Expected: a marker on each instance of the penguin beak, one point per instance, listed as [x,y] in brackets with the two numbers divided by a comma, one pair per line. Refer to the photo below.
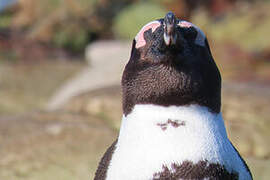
[170,35]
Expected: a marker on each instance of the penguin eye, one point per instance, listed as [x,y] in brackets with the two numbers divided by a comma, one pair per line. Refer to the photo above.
[140,41]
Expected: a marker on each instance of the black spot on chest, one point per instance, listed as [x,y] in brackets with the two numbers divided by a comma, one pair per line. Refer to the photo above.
[200,170]
[172,122]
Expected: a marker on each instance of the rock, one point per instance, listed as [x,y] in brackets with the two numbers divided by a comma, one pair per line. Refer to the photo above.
[106,61]
[103,103]
[54,129]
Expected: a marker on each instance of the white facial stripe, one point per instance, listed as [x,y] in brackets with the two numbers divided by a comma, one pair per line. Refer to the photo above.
[200,39]
[140,41]
[144,28]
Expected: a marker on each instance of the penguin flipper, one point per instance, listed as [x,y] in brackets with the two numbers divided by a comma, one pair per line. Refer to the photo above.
[101,172]
[243,161]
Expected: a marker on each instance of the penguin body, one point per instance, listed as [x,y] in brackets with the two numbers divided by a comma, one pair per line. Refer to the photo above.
[172,127]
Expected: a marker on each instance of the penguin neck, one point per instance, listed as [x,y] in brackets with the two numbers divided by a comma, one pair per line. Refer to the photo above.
[145,118]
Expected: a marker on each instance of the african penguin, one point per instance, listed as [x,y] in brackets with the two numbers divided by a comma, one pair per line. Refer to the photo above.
[172,127]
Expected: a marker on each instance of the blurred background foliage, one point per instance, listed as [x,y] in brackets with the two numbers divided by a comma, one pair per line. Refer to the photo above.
[42,45]
[53,28]
[70,25]
[129,21]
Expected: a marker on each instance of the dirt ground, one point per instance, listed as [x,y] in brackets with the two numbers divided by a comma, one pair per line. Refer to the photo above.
[67,144]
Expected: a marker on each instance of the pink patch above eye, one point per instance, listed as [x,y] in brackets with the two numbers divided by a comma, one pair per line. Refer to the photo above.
[140,41]
[185,24]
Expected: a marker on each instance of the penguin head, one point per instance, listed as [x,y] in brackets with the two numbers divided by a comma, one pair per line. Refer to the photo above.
[171,65]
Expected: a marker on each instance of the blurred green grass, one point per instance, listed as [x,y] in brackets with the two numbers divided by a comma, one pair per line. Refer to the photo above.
[245,26]
[129,21]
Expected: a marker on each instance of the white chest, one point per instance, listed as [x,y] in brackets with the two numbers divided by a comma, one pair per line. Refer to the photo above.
[153,136]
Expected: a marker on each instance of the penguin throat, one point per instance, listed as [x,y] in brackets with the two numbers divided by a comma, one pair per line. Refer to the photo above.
[152,137]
